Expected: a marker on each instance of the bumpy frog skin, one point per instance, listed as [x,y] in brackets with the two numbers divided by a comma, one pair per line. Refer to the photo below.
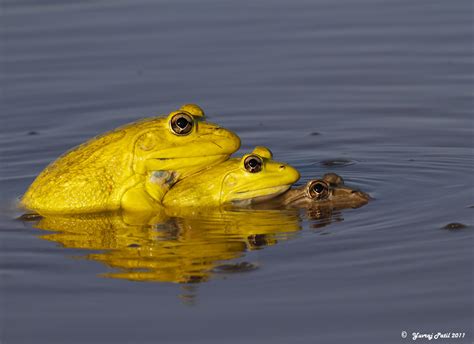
[131,167]
[239,181]
[329,191]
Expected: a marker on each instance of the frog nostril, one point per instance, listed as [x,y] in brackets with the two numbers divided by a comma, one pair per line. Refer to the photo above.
[282,167]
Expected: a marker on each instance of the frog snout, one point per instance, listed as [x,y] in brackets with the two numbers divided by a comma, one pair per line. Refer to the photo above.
[361,195]
[289,171]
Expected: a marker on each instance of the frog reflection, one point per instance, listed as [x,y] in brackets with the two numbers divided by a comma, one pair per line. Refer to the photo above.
[176,247]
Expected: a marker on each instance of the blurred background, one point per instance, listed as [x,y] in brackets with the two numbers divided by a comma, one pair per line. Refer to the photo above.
[379,92]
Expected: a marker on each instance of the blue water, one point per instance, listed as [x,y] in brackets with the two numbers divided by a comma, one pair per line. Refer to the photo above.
[383,87]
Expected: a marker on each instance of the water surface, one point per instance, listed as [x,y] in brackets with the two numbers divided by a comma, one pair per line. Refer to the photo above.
[379,92]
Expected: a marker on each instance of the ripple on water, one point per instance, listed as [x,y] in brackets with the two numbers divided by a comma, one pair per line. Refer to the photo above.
[337,162]
[455,226]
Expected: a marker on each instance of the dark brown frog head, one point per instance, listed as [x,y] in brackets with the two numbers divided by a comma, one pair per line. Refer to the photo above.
[329,191]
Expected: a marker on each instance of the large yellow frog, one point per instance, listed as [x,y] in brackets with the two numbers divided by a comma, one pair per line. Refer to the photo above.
[253,177]
[131,167]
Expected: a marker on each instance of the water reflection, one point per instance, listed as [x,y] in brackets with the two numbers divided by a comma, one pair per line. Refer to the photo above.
[181,246]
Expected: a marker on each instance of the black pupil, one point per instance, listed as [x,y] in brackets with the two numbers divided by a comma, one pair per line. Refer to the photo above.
[318,188]
[253,163]
[182,122]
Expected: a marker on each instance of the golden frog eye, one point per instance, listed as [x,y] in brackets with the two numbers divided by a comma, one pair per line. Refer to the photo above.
[181,123]
[318,189]
[253,163]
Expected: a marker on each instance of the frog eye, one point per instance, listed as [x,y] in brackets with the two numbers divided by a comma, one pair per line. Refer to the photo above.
[318,189]
[181,123]
[253,163]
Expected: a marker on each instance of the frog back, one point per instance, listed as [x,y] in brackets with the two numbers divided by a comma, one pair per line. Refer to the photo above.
[89,178]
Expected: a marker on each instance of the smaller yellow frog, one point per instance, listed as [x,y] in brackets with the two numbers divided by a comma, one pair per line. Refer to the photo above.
[254,177]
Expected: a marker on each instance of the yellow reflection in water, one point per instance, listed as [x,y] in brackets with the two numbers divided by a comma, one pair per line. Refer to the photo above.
[183,246]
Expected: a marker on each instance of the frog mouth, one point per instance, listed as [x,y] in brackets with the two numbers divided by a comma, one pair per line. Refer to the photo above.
[258,195]
[225,145]
[298,197]
[182,158]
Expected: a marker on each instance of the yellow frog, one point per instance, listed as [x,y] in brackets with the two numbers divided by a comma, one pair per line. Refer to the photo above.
[131,167]
[239,181]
